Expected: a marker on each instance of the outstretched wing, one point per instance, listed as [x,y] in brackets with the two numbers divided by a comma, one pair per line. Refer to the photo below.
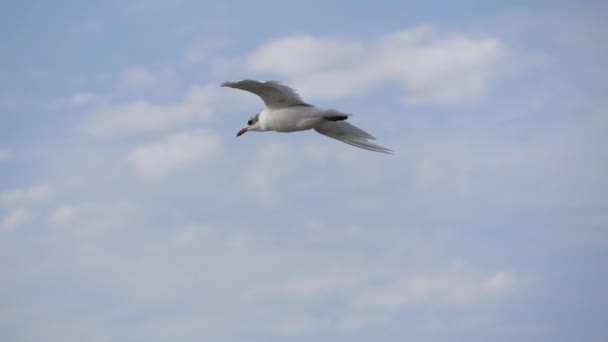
[350,134]
[274,94]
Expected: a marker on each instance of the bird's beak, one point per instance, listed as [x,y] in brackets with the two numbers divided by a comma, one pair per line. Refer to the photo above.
[242,131]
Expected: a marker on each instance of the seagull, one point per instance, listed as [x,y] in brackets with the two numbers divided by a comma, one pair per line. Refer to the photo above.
[286,112]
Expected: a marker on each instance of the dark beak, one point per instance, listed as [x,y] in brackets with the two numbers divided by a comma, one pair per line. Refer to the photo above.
[241,132]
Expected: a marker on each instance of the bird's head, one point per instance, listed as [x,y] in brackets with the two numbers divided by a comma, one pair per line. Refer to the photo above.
[252,125]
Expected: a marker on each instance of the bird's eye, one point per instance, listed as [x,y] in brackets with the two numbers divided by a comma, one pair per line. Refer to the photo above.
[250,122]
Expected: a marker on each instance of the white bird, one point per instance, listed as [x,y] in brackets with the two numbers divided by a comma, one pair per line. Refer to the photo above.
[286,112]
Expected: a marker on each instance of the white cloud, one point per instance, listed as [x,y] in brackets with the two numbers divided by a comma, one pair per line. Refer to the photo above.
[449,164]
[146,78]
[500,282]
[432,67]
[5,155]
[91,218]
[294,325]
[62,215]
[371,288]
[265,172]
[14,219]
[305,54]
[35,193]
[318,284]
[139,77]
[187,235]
[79,99]
[275,162]
[159,158]
[321,285]
[142,116]
[357,321]
[82,98]
[367,290]
[458,285]
[67,213]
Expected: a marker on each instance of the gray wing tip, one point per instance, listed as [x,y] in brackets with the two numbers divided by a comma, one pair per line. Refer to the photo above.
[233,83]
[230,83]
[250,81]
[371,147]
[383,150]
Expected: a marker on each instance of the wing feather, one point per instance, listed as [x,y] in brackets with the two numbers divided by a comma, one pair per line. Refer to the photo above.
[350,134]
[274,94]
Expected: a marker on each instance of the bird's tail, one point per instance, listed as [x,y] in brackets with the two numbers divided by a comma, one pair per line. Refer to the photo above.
[334,115]
[350,134]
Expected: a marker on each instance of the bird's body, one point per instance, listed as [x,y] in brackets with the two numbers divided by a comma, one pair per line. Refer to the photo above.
[282,119]
[286,112]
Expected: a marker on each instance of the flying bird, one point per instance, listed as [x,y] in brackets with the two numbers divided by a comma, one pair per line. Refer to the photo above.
[286,112]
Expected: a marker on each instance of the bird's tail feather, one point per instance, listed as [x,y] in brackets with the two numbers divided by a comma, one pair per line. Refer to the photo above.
[350,134]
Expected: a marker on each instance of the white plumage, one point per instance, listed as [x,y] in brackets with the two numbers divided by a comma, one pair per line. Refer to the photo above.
[286,112]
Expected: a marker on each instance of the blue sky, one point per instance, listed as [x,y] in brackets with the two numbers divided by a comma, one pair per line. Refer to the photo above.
[130,212]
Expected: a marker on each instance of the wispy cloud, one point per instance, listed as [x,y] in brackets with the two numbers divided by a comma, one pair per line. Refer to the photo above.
[14,219]
[432,67]
[32,194]
[157,159]
[144,78]
[67,213]
[304,53]
[143,116]
[458,285]
[5,155]
[189,234]
[91,218]
[270,171]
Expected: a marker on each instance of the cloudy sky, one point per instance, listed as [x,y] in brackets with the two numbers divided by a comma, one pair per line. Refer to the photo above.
[129,211]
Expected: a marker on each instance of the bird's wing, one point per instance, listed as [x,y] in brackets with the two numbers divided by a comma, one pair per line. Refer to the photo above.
[274,94]
[352,135]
